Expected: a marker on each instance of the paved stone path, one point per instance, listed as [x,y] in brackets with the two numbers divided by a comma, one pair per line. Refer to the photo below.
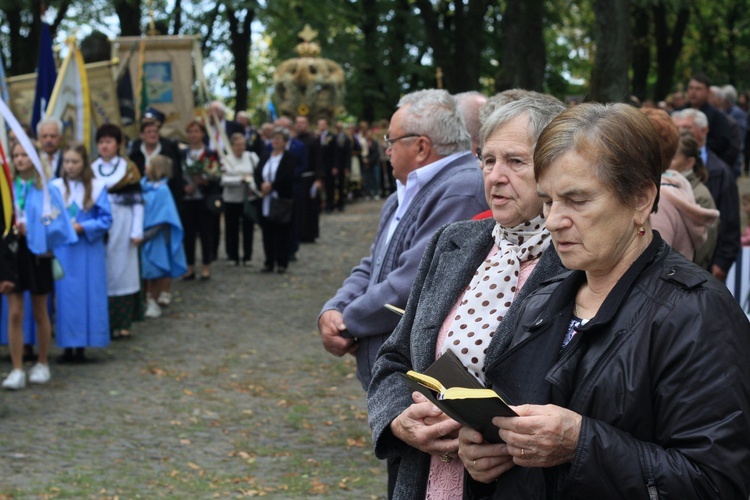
[230,394]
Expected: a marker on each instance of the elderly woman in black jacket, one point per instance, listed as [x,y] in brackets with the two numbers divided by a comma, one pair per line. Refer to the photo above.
[275,176]
[631,370]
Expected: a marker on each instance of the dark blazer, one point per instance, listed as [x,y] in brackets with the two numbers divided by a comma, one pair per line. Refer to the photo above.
[308,140]
[57,169]
[169,149]
[233,127]
[719,133]
[724,190]
[283,183]
[326,152]
[299,150]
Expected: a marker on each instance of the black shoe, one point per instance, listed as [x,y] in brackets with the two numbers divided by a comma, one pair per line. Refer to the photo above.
[293,258]
[80,359]
[66,357]
[266,269]
[282,270]
[189,277]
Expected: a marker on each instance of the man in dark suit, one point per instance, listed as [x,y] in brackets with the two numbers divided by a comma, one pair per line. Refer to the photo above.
[49,133]
[311,184]
[723,188]
[252,137]
[719,135]
[328,159]
[151,144]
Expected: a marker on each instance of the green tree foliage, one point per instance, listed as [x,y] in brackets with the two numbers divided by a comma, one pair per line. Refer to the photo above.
[390,47]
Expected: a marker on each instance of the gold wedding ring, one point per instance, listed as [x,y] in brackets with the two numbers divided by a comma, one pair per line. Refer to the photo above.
[475,466]
[523,454]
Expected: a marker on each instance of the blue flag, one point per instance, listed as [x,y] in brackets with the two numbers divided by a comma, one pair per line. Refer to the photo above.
[46,74]
[272,110]
[3,85]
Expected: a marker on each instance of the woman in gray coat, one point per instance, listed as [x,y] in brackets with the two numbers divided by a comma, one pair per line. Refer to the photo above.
[464,298]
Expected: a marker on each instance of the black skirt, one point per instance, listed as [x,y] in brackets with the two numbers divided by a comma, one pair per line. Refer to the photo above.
[34,272]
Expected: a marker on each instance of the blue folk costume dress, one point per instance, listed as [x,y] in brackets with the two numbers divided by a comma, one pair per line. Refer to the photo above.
[82,318]
[43,235]
[162,255]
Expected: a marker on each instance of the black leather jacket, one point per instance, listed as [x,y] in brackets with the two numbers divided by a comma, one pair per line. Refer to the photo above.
[661,376]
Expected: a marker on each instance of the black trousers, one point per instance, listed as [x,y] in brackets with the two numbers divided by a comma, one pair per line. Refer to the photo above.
[198,221]
[335,190]
[234,216]
[275,243]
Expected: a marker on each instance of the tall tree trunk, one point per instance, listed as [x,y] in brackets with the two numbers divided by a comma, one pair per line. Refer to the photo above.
[668,47]
[612,33]
[397,52]
[641,51]
[239,45]
[23,49]
[455,36]
[177,16]
[524,55]
[129,14]
[370,79]
[731,23]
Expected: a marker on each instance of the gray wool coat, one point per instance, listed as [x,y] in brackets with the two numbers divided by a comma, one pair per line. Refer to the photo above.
[449,262]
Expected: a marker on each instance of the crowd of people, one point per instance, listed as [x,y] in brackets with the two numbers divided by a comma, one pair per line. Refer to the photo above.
[589,297]
[571,258]
[135,211]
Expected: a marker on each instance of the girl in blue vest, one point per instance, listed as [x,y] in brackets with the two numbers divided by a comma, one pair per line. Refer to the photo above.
[82,318]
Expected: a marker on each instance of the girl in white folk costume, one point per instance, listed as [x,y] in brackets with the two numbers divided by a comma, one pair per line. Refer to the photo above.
[122,180]
[34,262]
[82,318]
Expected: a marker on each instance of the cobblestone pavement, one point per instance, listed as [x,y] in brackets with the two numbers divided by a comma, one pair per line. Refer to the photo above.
[229,394]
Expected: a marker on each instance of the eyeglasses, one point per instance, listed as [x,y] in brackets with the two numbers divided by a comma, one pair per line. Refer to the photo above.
[389,142]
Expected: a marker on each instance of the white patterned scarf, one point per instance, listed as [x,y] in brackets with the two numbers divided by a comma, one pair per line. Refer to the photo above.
[489,295]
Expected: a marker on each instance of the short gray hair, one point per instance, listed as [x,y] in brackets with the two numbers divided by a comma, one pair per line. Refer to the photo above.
[282,131]
[701,121]
[501,99]
[730,94]
[469,104]
[50,120]
[434,113]
[717,93]
[540,108]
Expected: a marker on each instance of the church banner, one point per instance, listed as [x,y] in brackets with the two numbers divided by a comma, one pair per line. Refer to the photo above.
[167,69]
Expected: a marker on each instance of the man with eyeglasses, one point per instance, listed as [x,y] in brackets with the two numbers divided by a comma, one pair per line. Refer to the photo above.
[438,182]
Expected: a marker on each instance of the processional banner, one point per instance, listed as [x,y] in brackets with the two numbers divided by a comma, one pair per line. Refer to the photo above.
[166,67]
